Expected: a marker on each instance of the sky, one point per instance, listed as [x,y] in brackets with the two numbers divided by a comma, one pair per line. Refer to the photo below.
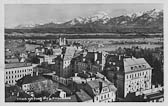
[16,14]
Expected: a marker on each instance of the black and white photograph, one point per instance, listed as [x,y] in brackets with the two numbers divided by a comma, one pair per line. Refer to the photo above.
[84,52]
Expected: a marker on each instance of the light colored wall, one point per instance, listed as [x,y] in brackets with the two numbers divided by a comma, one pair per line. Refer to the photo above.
[17,74]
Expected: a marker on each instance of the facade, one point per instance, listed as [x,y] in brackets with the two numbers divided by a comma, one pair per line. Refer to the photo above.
[15,71]
[129,74]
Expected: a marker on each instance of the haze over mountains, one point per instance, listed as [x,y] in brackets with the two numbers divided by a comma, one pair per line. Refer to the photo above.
[141,22]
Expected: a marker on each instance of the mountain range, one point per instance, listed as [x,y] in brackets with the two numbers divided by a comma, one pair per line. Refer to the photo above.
[144,22]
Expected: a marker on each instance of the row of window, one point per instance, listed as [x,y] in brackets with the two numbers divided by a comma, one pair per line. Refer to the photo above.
[105,96]
[11,81]
[15,76]
[18,71]
[134,75]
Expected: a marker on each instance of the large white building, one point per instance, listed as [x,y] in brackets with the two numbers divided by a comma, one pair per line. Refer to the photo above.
[15,71]
[138,74]
[129,74]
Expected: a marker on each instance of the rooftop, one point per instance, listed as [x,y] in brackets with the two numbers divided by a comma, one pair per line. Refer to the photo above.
[69,53]
[83,96]
[30,79]
[17,65]
[135,64]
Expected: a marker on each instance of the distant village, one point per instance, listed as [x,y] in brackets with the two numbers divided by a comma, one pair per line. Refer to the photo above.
[59,71]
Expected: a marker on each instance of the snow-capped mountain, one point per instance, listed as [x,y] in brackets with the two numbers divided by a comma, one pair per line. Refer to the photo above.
[151,18]
[26,26]
[100,16]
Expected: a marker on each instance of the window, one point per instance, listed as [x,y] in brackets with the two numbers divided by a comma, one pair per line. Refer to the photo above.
[9,72]
[9,82]
[108,95]
[132,68]
[12,72]
[127,76]
[9,77]
[139,66]
[6,77]
[6,72]
[105,96]
[101,97]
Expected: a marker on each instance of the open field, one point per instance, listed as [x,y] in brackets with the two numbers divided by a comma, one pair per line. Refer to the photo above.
[112,44]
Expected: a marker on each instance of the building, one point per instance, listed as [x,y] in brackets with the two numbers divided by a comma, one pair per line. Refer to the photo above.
[91,61]
[15,71]
[96,86]
[129,74]
[37,84]
[63,63]
[50,59]
[101,90]
[155,94]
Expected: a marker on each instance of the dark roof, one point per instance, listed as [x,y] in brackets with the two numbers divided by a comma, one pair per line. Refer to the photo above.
[30,79]
[16,65]
[83,96]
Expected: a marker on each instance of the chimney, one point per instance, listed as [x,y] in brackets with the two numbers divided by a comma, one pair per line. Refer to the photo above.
[95,56]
